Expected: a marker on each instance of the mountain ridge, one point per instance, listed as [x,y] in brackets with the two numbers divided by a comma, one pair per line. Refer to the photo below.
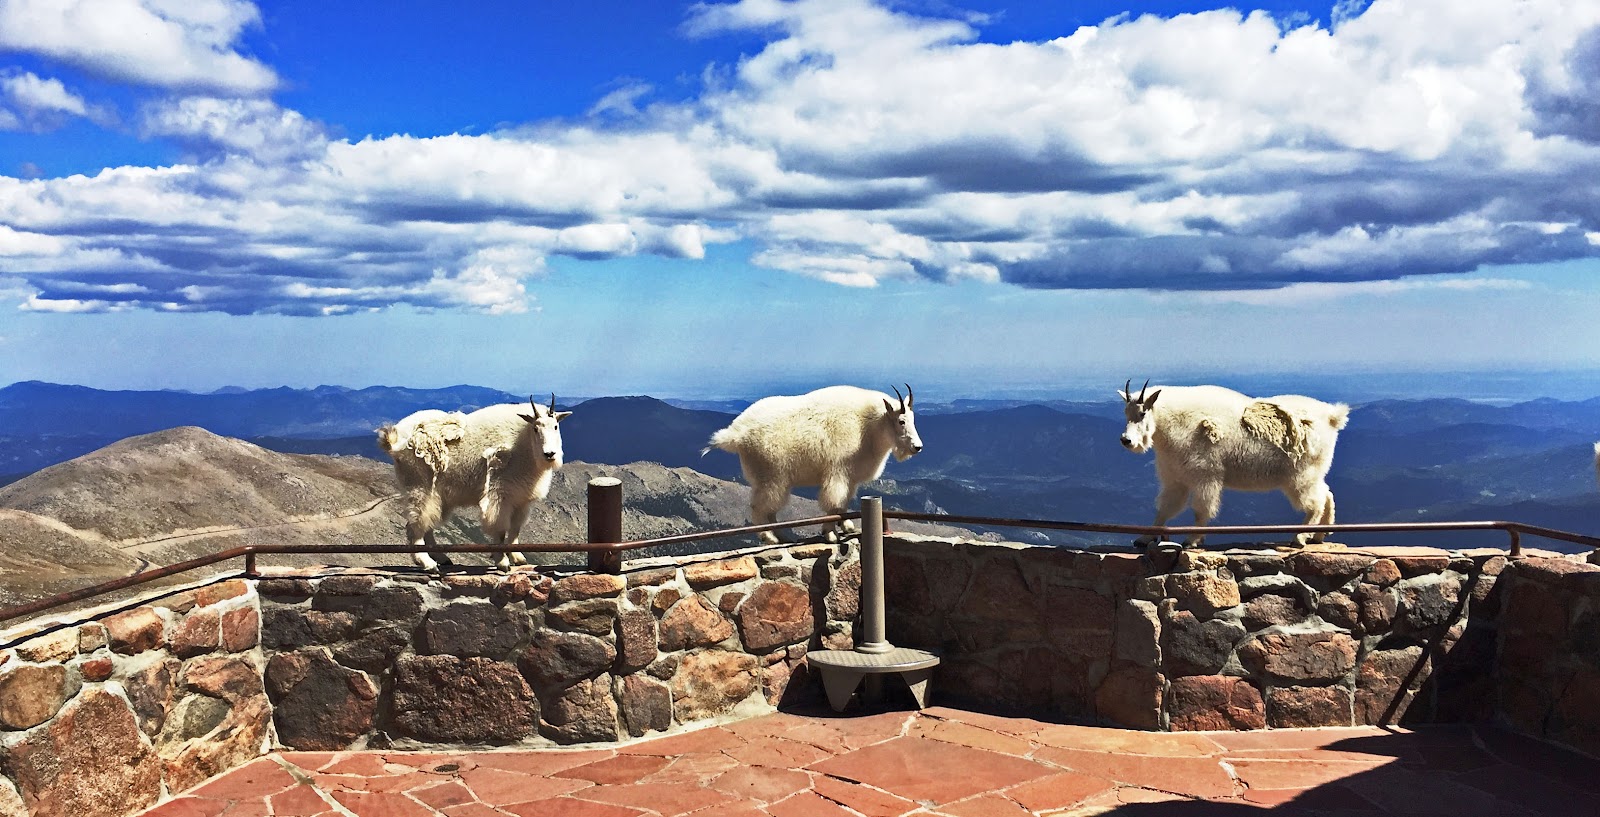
[1438,458]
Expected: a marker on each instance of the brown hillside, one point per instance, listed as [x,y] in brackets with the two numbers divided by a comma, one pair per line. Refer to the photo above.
[40,556]
[188,479]
[185,492]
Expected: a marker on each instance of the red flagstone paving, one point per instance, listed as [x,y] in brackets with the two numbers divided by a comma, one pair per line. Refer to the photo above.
[865,799]
[940,762]
[973,736]
[930,770]
[986,805]
[569,807]
[696,768]
[1058,791]
[617,770]
[762,784]
[1201,777]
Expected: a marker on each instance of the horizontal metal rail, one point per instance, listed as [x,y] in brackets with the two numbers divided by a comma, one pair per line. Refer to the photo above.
[249,552]
[681,538]
[1515,529]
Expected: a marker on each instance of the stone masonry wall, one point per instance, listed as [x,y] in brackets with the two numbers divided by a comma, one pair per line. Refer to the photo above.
[397,660]
[106,715]
[102,718]
[1549,670]
[1234,640]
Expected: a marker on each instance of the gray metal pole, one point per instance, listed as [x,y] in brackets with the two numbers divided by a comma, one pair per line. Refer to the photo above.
[605,523]
[873,640]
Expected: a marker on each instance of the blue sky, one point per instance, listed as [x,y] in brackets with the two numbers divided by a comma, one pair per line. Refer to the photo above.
[723,199]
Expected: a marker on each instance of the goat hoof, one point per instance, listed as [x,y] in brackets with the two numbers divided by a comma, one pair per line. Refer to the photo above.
[767,537]
[831,537]
[1144,542]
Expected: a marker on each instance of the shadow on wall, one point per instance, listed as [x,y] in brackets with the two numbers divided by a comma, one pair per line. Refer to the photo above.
[1245,639]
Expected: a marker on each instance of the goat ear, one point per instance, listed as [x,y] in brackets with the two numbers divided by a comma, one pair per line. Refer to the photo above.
[561,415]
[889,407]
[1150,402]
[1126,398]
[530,418]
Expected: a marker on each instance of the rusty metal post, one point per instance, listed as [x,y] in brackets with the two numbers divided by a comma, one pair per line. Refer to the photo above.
[605,523]
[874,639]
[250,566]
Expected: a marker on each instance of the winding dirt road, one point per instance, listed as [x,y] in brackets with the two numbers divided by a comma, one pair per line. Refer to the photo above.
[144,546]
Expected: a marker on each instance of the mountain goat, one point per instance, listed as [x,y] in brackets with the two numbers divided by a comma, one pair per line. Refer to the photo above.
[1207,438]
[499,458]
[834,438]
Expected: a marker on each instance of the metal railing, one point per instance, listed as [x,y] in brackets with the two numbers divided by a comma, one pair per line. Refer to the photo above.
[1516,530]
[605,545]
[604,548]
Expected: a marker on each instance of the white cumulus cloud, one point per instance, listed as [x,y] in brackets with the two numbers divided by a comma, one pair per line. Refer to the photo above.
[31,102]
[1217,151]
[253,127]
[183,44]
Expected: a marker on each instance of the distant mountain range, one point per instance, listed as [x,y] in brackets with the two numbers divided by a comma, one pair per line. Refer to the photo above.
[33,407]
[1399,460]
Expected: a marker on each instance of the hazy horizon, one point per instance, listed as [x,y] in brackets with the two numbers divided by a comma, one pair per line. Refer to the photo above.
[1495,387]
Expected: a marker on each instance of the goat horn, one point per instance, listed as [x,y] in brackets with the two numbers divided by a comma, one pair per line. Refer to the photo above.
[909,396]
[1143,388]
[898,397]
[1127,391]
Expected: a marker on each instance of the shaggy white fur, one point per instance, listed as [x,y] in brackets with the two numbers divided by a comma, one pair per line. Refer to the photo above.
[834,438]
[1208,438]
[500,458]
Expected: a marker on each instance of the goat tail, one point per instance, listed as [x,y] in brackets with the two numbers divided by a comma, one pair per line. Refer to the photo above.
[724,440]
[1339,416]
[386,438]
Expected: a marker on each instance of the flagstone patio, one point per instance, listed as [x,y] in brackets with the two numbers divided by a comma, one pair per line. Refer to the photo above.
[940,761]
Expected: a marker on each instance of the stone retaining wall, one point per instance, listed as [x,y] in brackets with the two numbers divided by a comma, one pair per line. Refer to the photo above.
[1548,675]
[395,660]
[103,718]
[1235,640]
